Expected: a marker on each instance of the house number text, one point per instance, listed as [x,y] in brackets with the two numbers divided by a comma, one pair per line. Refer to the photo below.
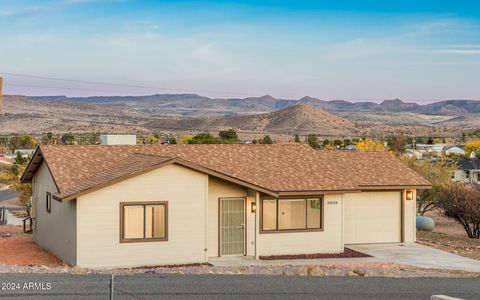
[332,202]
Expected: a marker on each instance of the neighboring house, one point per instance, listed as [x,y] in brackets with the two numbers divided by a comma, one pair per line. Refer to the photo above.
[468,171]
[23,152]
[118,139]
[123,206]
[456,150]
[434,149]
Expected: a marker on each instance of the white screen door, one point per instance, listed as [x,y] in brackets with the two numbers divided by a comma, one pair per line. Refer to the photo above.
[232,226]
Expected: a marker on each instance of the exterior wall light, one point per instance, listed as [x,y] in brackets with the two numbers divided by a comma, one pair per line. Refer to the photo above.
[409,195]
[253,207]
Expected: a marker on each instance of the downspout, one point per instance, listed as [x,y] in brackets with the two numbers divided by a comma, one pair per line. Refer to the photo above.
[257,229]
[205,217]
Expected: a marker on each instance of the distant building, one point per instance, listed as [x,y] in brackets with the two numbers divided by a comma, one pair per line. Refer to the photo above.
[118,139]
[455,149]
[468,171]
[24,152]
[435,149]
[351,147]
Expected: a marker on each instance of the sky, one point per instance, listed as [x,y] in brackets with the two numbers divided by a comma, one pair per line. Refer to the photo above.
[420,51]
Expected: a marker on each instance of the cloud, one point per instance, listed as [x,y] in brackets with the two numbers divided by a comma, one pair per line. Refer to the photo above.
[6,13]
[458,51]
[89,1]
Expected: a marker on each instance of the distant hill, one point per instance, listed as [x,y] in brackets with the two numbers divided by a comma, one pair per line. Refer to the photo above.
[300,118]
[250,116]
[193,104]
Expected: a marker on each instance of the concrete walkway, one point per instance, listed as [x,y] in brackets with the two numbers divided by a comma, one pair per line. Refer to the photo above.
[410,254]
[418,255]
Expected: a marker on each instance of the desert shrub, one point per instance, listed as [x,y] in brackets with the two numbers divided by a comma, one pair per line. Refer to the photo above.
[461,202]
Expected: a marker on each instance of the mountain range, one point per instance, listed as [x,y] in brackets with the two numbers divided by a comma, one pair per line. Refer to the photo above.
[191,104]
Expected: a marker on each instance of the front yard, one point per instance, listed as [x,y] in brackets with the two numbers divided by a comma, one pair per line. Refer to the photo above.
[449,236]
[19,254]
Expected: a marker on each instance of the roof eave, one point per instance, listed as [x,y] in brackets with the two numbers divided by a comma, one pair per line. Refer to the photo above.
[32,166]
[395,187]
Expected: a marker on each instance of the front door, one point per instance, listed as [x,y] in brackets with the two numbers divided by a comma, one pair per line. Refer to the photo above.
[232,226]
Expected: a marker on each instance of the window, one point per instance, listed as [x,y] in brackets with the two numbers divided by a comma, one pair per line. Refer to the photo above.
[292,214]
[48,202]
[143,221]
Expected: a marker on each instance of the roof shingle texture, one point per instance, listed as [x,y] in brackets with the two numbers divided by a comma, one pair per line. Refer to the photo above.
[278,168]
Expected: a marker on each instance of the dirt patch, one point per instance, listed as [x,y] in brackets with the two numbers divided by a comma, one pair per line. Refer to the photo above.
[450,243]
[449,236]
[17,248]
[347,253]
[446,225]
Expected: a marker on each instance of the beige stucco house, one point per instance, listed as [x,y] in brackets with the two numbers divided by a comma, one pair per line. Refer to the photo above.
[121,206]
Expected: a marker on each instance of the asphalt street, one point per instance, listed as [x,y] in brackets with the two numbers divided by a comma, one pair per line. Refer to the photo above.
[7,195]
[156,286]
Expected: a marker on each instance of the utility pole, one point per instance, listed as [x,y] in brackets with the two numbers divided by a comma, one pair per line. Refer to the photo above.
[1,99]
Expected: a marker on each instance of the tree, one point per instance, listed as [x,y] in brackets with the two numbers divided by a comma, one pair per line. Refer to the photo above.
[151,139]
[397,144]
[472,146]
[369,145]
[68,138]
[267,140]
[421,140]
[10,176]
[184,138]
[230,135]
[24,141]
[462,203]
[297,139]
[254,141]
[171,140]
[337,143]
[346,142]
[326,143]
[205,138]
[20,160]
[312,140]
[438,173]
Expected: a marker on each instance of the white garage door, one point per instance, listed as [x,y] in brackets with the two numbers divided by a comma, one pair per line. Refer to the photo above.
[372,217]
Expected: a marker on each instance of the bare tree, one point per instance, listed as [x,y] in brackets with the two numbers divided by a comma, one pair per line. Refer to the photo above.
[461,202]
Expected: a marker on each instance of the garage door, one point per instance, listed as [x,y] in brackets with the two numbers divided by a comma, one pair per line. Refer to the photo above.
[373,217]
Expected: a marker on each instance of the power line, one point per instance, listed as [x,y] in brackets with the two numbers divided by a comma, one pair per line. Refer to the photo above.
[123,85]
[61,88]
[158,89]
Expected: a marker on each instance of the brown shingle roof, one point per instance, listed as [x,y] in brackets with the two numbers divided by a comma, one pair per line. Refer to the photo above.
[280,168]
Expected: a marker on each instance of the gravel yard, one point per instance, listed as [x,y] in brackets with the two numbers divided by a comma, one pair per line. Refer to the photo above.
[449,236]
[18,249]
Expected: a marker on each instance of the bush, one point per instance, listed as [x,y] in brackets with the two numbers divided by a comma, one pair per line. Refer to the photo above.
[461,202]
[230,135]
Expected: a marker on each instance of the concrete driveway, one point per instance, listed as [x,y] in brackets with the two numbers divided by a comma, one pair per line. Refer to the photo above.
[418,255]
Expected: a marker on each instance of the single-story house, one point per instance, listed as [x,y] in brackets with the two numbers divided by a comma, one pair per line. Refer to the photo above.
[123,206]
[468,171]
[435,149]
[455,149]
